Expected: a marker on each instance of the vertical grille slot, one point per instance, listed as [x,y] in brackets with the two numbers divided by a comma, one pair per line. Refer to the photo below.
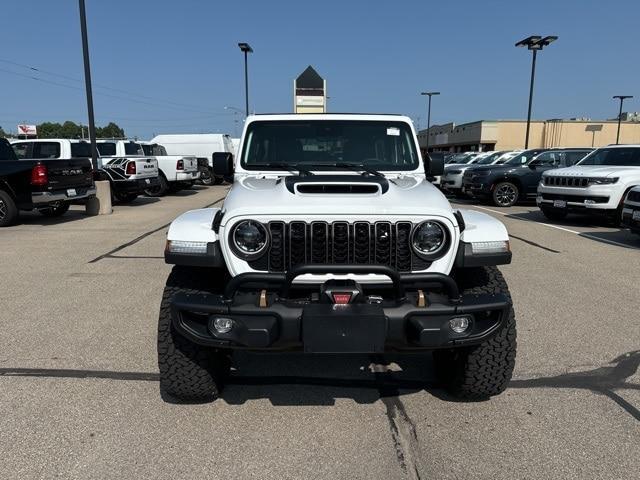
[383,243]
[403,246]
[361,242]
[297,243]
[340,242]
[319,242]
[277,252]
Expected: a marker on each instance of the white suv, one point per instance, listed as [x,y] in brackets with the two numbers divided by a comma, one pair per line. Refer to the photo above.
[331,240]
[596,184]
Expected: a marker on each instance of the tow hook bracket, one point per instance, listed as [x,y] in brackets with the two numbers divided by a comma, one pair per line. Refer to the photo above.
[263,299]
[422,301]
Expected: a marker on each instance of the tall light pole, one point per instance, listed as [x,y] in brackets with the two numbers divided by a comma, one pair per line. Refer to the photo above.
[621,98]
[87,83]
[429,94]
[246,49]
[533,43]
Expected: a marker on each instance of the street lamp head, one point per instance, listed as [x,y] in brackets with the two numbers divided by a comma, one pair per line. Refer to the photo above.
[536,42]
[430,93]
[622,97]
[245,47]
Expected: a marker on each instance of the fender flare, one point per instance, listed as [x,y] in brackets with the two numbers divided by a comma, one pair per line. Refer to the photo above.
[195,226]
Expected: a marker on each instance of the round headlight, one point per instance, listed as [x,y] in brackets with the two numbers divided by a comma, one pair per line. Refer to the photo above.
[249,237]
[429,238]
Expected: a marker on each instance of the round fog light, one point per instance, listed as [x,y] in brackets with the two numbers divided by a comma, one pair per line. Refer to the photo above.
[222,324]
[459,324]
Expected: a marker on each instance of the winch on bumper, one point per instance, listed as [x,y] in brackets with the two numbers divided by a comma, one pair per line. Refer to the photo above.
[259,311]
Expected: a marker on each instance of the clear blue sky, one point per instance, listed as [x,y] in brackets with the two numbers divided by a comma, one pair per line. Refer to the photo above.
[376,56]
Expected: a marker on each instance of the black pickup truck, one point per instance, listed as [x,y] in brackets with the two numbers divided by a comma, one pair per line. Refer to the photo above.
[44,185]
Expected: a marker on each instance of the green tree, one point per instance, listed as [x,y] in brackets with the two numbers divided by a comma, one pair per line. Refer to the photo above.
[110,131]
[71,129]
[2,133]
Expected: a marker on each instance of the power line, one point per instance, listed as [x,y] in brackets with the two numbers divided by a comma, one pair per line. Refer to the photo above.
[96,85]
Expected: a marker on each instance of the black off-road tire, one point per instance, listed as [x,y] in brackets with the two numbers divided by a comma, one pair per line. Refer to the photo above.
[8,209]
[554,213]
[206,178]
[484,370]
[188,371]
[55,211]
[158,190]
[124,198]
[505,194]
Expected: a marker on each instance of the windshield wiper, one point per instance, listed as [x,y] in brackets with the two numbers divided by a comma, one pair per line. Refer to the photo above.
[356,167]
[290,167]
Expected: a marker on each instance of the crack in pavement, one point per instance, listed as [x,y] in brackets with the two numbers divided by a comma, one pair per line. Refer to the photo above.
[403,430]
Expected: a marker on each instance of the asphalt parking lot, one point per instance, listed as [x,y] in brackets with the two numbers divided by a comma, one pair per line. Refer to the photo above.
[79,396]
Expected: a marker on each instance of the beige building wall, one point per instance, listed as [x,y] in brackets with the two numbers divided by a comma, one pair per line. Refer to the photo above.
[510,134]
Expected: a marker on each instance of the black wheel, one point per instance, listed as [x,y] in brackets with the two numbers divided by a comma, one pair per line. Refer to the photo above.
[124,197]
[158,190]
[484,370]
[55,210]
[205,177]
[8,209]
[505,194]
[554,213]
[188,371]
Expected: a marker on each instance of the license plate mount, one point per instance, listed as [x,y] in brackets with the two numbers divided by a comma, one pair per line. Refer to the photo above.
[71,192]
[559,204]
[351,328]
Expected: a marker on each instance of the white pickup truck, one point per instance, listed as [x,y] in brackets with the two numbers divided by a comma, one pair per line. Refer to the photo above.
[121,163]
[176,171]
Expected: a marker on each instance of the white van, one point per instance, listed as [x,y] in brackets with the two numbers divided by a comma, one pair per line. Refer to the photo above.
[200,145]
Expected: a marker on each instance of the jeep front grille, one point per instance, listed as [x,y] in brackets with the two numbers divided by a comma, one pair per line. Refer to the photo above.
[339,243]
[552,181]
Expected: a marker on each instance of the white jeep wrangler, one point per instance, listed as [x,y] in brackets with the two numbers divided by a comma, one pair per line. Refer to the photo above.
[332,241]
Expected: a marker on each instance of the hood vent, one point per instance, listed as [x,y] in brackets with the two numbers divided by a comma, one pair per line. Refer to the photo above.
[338,188]
[337,185]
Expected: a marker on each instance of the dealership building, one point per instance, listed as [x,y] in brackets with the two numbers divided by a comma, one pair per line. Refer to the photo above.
[486,135]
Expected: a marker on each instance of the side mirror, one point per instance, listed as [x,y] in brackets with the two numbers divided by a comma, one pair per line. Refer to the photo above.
[222,164]
[434,165]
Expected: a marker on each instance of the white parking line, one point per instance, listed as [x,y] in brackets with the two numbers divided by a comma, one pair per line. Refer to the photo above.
[583,234]
[539,223]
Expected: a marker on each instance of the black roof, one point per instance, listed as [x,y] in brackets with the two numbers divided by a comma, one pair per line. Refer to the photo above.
[309,79]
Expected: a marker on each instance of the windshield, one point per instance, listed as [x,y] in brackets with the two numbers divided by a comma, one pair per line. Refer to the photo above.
[621,157]
[523,157]
[322,143]
[147,149]
[489,159]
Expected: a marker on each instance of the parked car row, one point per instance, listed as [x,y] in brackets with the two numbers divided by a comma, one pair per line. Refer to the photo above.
[561,180]
[49,174]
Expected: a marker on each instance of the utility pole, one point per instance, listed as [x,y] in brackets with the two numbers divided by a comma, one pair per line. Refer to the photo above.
[87,82]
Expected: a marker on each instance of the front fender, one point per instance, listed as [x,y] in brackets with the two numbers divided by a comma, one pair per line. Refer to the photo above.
[191,240]
[484,241]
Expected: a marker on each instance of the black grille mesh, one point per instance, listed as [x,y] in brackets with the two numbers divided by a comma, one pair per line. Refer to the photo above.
[299,243]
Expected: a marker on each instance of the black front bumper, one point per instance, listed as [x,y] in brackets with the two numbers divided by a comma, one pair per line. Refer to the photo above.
[479,187]
[404,321]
